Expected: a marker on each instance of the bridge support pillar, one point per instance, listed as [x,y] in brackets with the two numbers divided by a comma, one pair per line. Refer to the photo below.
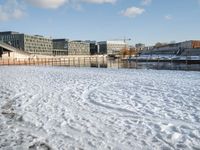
[8,53]
[1,52]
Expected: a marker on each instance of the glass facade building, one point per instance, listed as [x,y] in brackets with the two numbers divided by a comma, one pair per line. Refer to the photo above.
[33,44]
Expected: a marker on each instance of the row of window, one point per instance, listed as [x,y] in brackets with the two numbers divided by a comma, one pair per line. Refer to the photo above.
[36,38]
[35,50]
[37,41]
[9,37]
[40,48]
[38,45]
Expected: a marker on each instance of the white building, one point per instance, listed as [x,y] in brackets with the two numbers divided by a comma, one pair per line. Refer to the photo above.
[112,47]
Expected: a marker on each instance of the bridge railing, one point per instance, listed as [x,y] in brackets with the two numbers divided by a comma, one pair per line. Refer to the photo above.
[12,49]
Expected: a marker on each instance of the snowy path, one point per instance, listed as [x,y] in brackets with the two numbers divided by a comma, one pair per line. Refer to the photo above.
[83,108]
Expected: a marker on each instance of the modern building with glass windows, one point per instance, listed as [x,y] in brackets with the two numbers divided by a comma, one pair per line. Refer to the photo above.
[32,44]
[93,47]
[78,48]
[111,47]
[60,46]
[13,38]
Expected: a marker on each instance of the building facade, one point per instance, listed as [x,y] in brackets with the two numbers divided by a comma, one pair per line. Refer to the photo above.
[78,48]
[38,45]
[13,38]
[33,44]
[190,44]
[181,45]
[112,47]
[191,47]
[139,46]
[93,47]
[60,46]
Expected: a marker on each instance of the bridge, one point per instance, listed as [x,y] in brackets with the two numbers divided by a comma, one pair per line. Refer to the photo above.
[8,48]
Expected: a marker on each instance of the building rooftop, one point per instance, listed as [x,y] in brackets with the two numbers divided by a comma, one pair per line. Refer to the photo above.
[112,42]
[57,40]
[8,32]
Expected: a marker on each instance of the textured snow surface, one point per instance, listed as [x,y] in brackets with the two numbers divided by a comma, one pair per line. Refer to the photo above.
[85,108]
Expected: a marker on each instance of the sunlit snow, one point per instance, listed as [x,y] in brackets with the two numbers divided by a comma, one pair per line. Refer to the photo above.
[84,108]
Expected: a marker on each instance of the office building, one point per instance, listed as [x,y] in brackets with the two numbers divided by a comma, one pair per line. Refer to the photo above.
[60,46]
[78,48]
[93,47]
[32,44]
[139,46]
[112,47]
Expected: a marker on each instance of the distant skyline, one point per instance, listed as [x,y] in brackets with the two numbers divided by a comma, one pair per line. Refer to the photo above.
[144,21]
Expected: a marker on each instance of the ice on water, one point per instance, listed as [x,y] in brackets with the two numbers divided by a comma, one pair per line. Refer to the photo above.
[84,108]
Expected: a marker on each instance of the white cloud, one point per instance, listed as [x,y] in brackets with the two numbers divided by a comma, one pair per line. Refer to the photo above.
[168,17]
[99,1]
[132,12]
[52,4]
[11,10]
[146,2]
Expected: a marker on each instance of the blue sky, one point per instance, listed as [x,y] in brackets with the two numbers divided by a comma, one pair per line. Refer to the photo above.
[145,21]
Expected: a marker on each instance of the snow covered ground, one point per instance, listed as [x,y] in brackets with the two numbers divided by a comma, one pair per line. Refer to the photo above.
[86,108]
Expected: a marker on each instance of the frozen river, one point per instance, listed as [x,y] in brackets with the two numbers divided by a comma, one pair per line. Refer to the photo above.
[87,108]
